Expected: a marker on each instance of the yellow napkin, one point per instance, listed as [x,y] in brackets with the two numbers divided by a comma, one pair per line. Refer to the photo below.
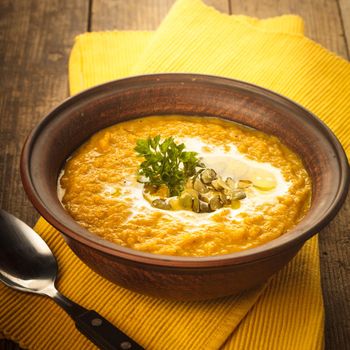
[286,314]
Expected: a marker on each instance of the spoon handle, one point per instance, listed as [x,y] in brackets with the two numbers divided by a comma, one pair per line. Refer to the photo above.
[96,328]
[103,333]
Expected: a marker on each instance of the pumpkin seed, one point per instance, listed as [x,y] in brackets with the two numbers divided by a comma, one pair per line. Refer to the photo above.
[185,200]
[195,205]
[192,192]
[238,195]
[224,199]
[230,183]
[161,204]
[205,197]
[215,203]
[199,186]
[208,175]
[204,207]
[175,204]
[219,184]
[244,183]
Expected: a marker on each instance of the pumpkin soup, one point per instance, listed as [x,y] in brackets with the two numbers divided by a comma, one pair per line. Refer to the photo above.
[187,186]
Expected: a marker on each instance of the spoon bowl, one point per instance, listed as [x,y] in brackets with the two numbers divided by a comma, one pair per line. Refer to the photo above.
[27,264]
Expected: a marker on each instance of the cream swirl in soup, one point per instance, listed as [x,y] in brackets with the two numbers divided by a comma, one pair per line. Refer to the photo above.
[228,162]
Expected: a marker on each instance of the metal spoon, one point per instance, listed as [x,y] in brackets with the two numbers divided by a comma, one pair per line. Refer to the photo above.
[27,264]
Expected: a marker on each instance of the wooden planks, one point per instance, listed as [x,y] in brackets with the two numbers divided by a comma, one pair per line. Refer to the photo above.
[322,21]
[128,15]
[135,14]
[36,37]
[334,242]
[344,13]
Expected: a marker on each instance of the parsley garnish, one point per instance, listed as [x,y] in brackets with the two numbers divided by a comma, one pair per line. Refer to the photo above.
[166,163]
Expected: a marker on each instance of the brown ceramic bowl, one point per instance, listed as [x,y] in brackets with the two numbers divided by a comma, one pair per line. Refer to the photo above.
[72,122]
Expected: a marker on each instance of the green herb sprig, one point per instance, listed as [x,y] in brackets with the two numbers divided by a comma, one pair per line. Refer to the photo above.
[166,163]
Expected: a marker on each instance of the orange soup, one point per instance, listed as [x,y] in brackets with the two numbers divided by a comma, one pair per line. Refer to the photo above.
[99,188]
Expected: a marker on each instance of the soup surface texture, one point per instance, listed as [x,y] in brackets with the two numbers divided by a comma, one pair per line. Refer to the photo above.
[98,187]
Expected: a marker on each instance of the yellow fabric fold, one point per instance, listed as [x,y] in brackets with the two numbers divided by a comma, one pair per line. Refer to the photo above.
[126,47]
[288,312]
[122,48]
[282,24]
[37,323]
[287,63]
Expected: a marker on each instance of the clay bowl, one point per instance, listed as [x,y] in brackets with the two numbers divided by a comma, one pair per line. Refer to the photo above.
[72,122]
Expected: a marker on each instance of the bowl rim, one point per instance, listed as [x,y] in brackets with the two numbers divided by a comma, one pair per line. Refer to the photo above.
[264,251]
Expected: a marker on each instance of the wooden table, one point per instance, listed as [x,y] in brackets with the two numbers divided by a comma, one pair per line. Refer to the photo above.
[35,40]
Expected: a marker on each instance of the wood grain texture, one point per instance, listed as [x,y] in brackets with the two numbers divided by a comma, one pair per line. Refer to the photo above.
[344,12]
[334,242]
[128,15]
[136,14]
[326,25]
[322,21]
[35,39]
